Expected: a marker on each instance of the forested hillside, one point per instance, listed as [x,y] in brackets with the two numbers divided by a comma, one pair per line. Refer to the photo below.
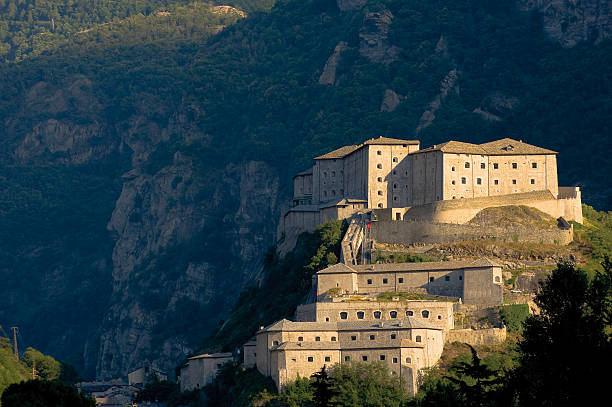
[145,162]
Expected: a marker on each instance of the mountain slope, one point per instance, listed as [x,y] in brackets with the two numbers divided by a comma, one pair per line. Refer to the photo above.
[145,165]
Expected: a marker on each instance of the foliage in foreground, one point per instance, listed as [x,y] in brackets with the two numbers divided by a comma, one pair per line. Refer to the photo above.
[43,393]
[514,315]
[237,386]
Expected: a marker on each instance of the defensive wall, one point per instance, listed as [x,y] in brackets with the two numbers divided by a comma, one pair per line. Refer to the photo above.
[489,336]
[420,231]
[567,204]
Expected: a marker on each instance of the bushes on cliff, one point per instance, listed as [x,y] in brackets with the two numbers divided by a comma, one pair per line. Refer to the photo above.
[514,315]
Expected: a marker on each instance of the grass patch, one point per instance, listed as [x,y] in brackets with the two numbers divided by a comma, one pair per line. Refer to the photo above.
[385,257]
[513,316]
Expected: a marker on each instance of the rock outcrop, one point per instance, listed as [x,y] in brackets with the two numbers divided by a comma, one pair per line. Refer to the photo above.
[449,83]
[572,21]
[347,5]
[328,77]
[496,106]
[391,101]
[373,37]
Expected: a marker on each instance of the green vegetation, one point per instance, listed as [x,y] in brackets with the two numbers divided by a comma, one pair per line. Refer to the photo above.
[514,315]
[398,257]
[514,215]
[402,295]
[237,386]
[45,366]
[11,369]
[43,393]
[596,233]
[287,284]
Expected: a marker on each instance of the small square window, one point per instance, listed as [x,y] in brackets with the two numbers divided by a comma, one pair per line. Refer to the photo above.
[310,359]
[514,182]
[431,279]
[360,315]
[496,181]
[275,343]
[418,338]
[385,281]
[393,336]
[400,280]
[318,339]
[333,339]
[394,159]
[439,316]
[514,166]
[408,360]
[534,165]
[452,168]
[379,152]
[460,278]
[300,338]
[532,181]
[482,166]
[479,181]
[463,180]
[364,358]
[372,337]
[453,182]
[327,359]
[393,314]
[382,357]
[467,164]
[495,166]
[447,278]
[369,281]
[409,313]
[347,358]
[379,166]
[353,338]
[343,315]
[377,314]
[379,179]
[394,360]
[380,193]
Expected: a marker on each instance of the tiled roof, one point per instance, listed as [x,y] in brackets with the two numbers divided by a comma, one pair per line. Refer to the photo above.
[406,323]
[346,150]
[505,146]
[423,266]
[212,356]
[389,141]
[338,153]
[508,146]
[305,172]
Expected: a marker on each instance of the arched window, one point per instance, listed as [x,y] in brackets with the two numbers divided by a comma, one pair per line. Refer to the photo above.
[425,313]
[380,205]
[377,314]
[343,315]
[380,193]
[379,152]
[393,314]
[360,314]
[379,179]
[379,166]
[409,313]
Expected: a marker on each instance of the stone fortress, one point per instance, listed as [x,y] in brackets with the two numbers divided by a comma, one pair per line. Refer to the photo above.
[446,183]
[400,314]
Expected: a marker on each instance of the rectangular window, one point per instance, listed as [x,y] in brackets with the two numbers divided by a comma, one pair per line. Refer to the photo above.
[431,279]
[495,166]
[369,281]
[532,181]
[393,336]
[400,280]
[463,180]
[479,181]
[382,357]
[318,339]
[364,358]
[353,338]
[513,182]
[394,360]
[385,281]
[496,181]
[327,359]
[347,358]
[514,166]
[310,359]
[447,278]
[534,165]
[372,337]
[482,166]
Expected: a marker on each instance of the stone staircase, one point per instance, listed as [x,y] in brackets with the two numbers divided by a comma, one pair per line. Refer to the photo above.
[352,241]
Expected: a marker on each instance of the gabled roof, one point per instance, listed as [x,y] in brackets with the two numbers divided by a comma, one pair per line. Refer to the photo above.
[505,146]
[305,172]
[346,150]
[422,266]
[389,141]
[508,146]
[338,153]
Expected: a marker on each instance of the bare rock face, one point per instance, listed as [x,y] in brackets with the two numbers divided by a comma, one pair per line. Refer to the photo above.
[572,21]
[391,101]
[348,5]
[178,258]
[373,37]
[328,77]
[448,84]
[496,106]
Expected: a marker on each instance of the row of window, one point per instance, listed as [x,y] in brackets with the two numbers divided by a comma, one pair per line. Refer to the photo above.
[364,358]
[332,174]
[392,314]
[495,181]
[333,192]
[495,166]
[400,280]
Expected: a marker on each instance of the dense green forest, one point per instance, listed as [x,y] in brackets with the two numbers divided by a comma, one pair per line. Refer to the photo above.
[28,27]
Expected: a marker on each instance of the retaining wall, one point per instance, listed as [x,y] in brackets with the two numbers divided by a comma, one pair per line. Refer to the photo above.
[490,336]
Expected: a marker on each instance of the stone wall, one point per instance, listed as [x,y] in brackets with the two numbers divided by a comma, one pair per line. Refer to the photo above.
[416,231]
[490,336]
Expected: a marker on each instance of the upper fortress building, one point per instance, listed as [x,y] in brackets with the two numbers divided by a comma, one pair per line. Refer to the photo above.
[392,173]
